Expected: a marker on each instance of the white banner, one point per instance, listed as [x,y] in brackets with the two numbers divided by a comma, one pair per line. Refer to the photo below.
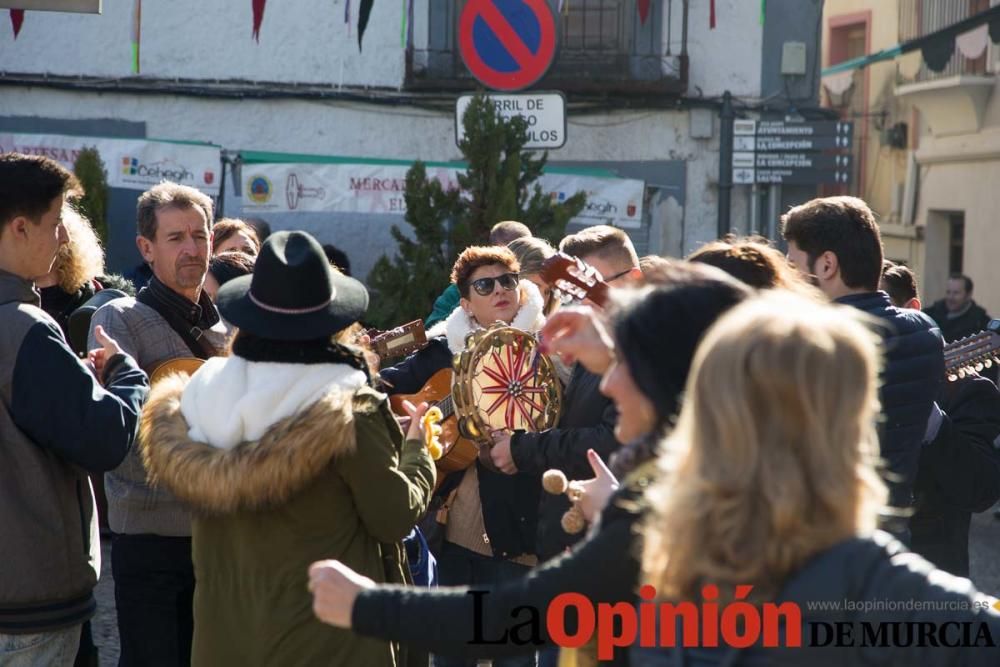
[136,164]
[379,188]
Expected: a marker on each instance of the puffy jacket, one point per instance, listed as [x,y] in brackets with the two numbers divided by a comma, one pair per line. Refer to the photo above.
[911,379]
[970,322]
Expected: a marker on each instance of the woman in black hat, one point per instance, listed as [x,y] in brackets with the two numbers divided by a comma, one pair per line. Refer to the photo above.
[286,454]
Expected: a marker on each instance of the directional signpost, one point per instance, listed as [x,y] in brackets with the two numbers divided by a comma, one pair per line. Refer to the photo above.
[796,153]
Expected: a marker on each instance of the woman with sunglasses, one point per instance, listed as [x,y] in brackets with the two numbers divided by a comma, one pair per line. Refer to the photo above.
[492,517]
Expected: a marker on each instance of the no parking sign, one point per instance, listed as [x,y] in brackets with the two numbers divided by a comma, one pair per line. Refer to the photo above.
[507,44]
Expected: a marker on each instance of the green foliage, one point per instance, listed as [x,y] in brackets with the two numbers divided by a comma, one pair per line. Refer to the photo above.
[500,183]
[89,170]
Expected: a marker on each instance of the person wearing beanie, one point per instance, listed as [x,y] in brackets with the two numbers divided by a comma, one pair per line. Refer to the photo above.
[286,454]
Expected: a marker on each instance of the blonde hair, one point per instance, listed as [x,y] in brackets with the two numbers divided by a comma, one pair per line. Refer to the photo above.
[81,259]
[772,459]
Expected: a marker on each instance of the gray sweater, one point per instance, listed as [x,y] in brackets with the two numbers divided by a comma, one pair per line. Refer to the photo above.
[134,506]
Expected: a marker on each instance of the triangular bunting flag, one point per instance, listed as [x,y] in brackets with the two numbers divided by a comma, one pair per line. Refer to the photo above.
[643,6]
[363,13]
[711,14]
[937,53]
[16,19]
[258,17]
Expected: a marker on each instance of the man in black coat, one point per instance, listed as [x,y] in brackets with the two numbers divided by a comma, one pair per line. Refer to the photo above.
[835,242]
[959,470]
[957,314]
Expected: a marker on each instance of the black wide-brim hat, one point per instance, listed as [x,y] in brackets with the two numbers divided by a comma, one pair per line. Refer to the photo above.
[293,294]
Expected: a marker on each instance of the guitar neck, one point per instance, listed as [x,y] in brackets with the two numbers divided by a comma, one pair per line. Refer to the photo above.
[446,406]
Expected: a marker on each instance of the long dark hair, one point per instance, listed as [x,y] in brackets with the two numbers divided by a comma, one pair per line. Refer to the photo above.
[658,327]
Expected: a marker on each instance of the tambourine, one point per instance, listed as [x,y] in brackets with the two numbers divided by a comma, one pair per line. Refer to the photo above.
[504,383]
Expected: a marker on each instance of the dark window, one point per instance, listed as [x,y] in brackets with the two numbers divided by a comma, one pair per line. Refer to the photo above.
[603,46]
[956,242]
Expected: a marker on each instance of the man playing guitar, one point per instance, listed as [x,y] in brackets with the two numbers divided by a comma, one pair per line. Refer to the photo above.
[171,319]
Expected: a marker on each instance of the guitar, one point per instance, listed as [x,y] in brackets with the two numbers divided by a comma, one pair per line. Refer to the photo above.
[572,278]
[459,453]
[186,365]
[399,342]
[970,355]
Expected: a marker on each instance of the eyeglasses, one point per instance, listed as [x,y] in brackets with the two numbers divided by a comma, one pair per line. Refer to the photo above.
[484,286]
[617,276]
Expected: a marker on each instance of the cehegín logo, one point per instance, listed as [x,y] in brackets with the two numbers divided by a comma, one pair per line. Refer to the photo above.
[259,189]
[738,624]
[164,169]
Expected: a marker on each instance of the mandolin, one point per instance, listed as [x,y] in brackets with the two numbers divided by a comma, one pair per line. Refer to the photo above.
[399,342]
[459,453]
[186,365]
[970,355]
[573,278]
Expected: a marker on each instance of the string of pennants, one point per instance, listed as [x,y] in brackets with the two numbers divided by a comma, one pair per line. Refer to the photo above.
[643,7]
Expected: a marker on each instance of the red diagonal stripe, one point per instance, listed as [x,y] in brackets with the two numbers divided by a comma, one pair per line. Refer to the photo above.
[511,41]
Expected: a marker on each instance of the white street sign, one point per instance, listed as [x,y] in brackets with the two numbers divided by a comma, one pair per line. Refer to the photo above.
[545,114]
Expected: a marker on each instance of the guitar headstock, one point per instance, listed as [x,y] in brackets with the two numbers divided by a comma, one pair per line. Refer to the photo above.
[572,278]
[398,342]
[970,355]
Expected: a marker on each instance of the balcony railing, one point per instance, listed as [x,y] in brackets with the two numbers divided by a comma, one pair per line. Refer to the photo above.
[921,17]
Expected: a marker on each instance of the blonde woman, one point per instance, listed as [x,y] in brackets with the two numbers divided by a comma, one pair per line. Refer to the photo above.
[768,481]
[531,253]
[77,274]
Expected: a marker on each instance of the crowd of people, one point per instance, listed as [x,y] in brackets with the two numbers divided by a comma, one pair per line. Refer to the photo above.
[742,426]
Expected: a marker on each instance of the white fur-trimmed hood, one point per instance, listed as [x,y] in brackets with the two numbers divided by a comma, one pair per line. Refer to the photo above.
[231,400]
[458,325]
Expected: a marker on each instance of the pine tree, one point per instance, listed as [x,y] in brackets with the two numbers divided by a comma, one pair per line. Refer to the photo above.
[89,170]
[500,183]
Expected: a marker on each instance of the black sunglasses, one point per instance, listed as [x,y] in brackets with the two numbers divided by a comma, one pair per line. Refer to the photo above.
[484,286]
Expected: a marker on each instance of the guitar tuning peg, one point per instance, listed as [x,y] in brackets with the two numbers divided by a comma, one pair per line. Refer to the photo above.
[979,366]
[988,363]
[961,373]
[952,377]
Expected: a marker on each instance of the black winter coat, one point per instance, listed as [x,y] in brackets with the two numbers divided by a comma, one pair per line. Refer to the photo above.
[510,502]
[970,322]
[604,568]
[587,422]
[914,371]
[959,473]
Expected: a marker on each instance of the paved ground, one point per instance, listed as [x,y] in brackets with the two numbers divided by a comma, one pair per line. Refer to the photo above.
[984,553]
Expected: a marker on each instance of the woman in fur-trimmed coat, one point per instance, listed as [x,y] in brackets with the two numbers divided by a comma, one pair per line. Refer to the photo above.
[286,455]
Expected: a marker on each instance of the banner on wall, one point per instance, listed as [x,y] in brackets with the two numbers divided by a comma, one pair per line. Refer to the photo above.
[379,188]
[136,164]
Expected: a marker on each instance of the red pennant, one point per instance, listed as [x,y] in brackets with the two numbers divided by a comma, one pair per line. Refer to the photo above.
[258,17]
[711,15]
[643,6]
[16,19]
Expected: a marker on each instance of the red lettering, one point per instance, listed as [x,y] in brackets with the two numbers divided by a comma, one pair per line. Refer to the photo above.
[793,623]
[669,613]
[606,638]
[555,620]
[647,620]
[710,616]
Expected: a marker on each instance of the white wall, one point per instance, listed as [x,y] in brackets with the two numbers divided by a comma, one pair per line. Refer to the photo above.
[211,40]
[304,41]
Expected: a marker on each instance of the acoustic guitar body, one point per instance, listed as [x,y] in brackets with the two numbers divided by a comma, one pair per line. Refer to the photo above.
[459,453]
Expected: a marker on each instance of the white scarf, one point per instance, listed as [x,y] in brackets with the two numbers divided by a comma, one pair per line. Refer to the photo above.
[460,324]
[230,400]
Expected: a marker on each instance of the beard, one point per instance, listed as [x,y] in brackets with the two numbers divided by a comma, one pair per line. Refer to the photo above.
[190,274]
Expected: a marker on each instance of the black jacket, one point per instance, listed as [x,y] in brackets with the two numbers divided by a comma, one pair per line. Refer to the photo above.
[604,568]
[970,322]
[914,371]
[959,473]
[587,422]
[510,502]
